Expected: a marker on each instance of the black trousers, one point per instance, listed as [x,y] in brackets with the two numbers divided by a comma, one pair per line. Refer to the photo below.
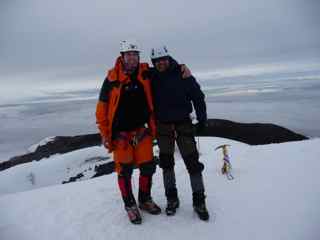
[181,133]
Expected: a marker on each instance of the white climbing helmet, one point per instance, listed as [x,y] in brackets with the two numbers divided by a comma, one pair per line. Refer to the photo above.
[159,52]
[129,45]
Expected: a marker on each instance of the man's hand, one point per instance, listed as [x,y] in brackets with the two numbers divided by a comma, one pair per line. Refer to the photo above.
[185,71]
[201,125]
[106,143]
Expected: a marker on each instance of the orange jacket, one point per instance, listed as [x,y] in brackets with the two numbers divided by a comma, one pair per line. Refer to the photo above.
[105,111]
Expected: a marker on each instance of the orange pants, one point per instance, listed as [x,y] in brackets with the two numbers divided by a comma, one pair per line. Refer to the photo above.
[125,153]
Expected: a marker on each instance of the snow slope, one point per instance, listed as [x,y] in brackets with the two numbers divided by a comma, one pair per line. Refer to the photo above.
[52,171]
[275,195]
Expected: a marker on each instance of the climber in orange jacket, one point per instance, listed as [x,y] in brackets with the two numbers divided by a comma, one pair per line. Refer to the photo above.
[126,122]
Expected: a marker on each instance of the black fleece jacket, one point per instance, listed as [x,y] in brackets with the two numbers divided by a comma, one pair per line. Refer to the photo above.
[174,96]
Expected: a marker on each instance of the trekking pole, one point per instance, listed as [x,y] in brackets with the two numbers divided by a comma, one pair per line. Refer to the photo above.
[226,168]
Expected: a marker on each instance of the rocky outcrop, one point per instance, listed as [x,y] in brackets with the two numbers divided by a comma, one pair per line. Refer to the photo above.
[60,144]
[250,133]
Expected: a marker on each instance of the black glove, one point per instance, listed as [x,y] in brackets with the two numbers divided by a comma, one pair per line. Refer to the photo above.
[201,125]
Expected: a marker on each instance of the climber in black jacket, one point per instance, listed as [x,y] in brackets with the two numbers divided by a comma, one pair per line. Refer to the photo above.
[174,97]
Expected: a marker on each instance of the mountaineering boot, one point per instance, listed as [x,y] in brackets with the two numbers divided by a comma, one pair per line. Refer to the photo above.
[199,205]
[150,206]
[134,214]
[172,205]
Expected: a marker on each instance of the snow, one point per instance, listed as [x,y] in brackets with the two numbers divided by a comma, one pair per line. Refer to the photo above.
[275,195]
[51,171]
[43,142]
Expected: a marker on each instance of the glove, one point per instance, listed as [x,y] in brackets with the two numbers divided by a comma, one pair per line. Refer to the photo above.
[106,144]
[201,125]
[186,73]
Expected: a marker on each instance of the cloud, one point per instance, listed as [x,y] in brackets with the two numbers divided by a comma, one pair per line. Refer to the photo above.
[40,35]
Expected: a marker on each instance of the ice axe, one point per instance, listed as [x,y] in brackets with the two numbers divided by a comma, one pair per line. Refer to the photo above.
[226,168]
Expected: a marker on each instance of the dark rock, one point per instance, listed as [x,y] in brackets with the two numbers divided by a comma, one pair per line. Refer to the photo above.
[250,133]
[73,179]
[60,144]
[103,169]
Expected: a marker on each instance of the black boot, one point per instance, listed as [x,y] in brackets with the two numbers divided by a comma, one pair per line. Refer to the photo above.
[172,206]
[172,201]
[199,205]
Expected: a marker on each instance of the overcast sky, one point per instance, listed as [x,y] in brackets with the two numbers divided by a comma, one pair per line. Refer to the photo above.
[81,38]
